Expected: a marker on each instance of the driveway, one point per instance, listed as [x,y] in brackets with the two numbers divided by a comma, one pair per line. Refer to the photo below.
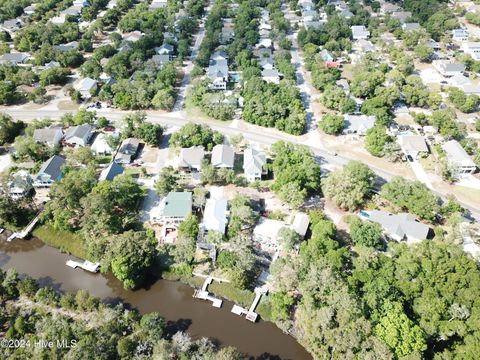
[420,174]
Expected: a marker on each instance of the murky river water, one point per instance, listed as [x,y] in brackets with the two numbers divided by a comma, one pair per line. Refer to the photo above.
[173,300]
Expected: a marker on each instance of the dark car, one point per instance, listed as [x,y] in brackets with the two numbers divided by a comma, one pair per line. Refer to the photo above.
[410,158]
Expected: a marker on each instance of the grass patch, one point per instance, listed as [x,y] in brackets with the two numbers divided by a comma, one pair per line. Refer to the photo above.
[64,240]
[103,159]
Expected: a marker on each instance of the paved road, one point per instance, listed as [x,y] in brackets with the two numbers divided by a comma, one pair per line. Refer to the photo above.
[254,134]
[188,66]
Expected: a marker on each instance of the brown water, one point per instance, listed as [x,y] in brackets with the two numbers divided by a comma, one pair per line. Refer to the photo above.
[173,300]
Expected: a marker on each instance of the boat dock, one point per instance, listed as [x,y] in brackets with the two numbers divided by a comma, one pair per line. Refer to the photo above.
[86,265]
[205,295]
[251,315]
[24,233]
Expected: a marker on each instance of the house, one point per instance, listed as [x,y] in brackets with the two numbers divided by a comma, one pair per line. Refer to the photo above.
[399,227]
[133,36]
[78,135]
[223,156]
[458,158]
[346,14]
[300,223]
[127,151]
[306,4]
[86,86]
[20,184]
[106,79]
[176,206]
[72,45]
[359,32]
[11,26]
[411,26]
[58,20]
[111,171]
[472,49]
[80,3]
[448,69]
[267,63]
[100,145]
[13,58]
[48,136]
[388,8]
[413,145]
[29,10]
[266,233]
[190,159]
[325,55]
[271,75]
[460,35]
[227,32]
[217,72]
[215,216]
[160,60]
[51,65]
[358,124]
[157,4]
[254,163]
[50,172]
[402,16]
[265,43]
[111,4]
[165,49]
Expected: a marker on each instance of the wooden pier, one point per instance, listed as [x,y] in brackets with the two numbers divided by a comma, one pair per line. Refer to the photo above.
[24,233]
[251,315]
[205,295]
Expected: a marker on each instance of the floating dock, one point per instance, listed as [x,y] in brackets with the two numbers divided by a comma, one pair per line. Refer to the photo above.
[86,265]
[205,295]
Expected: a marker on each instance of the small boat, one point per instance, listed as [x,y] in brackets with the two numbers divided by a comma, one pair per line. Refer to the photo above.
[2,230]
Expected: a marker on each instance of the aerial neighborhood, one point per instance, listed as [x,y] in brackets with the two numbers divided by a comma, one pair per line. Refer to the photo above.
[314,162]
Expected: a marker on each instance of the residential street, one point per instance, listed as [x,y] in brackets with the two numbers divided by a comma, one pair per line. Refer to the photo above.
[250,132]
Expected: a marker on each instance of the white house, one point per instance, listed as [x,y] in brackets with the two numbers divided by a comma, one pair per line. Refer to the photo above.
[360,32]
[472,49]
[254,163]
[100,145]
[86,86]
[223,156]
[460,35]
[271,75]
[458,158]
[413,145]
[78,135]
[358,124]
[215,216]
[448,69]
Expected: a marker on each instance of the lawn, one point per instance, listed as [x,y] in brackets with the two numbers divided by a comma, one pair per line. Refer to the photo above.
[64,240]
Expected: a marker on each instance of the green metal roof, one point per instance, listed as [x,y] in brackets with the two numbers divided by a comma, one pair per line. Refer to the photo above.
[178,204]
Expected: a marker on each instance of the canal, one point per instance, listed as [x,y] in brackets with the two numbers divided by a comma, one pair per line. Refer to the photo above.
[173,300]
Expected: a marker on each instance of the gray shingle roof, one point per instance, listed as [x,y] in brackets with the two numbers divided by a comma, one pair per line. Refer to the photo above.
[111,171]
[78,131]
[400,225]
[52,167]
[223,155]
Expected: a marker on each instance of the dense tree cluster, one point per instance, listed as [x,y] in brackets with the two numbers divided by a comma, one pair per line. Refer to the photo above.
[137,126]
[463,102]
[412,196]
[296,172]
[349,187]
[9,129]
[212,103]
[196,135]
[274,105]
